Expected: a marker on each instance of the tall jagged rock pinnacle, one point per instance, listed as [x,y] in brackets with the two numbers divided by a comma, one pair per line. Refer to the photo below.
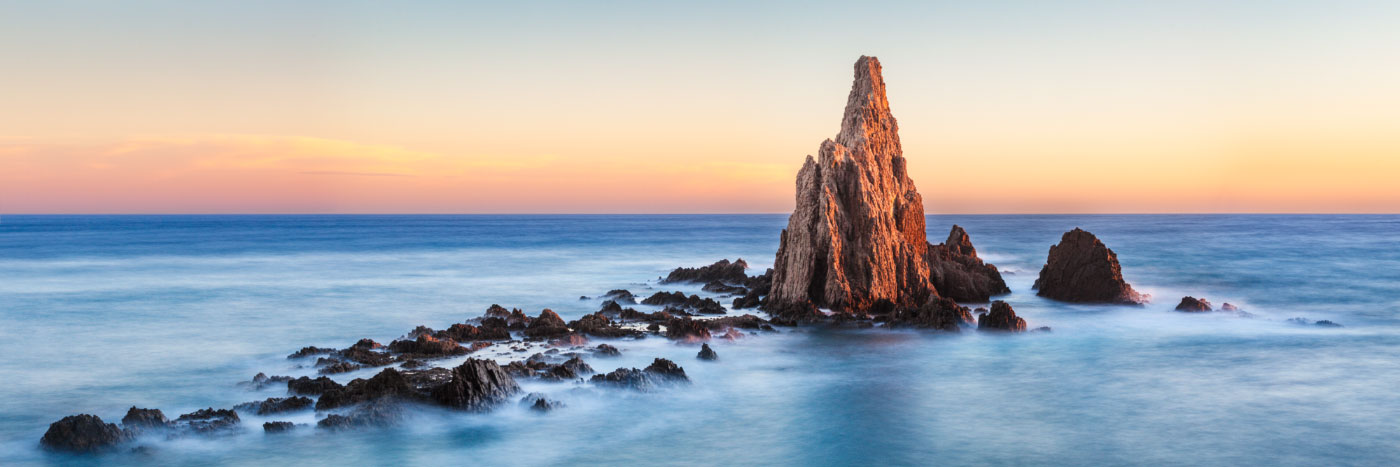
[857,234]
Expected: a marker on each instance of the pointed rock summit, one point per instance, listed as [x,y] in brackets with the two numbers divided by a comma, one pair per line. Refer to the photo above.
[857,235]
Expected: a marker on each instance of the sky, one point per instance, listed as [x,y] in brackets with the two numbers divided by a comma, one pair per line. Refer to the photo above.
[692,107]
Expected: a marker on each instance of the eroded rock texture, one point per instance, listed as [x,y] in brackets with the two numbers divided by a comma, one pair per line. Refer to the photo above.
[957,272]
[1081,269]
[857,234]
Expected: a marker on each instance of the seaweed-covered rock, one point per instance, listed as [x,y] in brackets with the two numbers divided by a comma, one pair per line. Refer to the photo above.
[476,385]
[722,271]
[1001,318]
[83,434]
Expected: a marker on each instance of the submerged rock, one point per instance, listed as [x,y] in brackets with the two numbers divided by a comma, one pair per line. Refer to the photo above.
[661,372]
[277,405]
[706,353]
[605,350]
[277,427]
[1081,269]
[1001,318]
[538,402]
[1193,304]
[309,351]
[377,413]
[208,420]
[857,234]
[620,296]
[476,385]
[721,271]
[83,434]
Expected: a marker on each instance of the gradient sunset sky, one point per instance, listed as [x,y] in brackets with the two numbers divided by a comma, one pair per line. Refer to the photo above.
[697,107]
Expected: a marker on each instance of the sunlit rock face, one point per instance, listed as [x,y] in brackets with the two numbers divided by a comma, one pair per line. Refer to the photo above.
[857,234]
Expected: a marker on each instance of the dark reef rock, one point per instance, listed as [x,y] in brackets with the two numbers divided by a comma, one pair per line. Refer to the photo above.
[476,385]
[688,330]
[497,311]
[1081,269]
[599,325]
[517,320]
[1193,304]
[208,420]
[144,419]
[620,296]
[693,302]
[466,333]
[427,346]
[941,313]
[309,351]
[722,288]
[1320,323]
[262,380]
[759,287]
[312,387]
[722,271]
[706,353]
[957,272]
[569,370]
[605,350]
[331,367]
[389,382]
[378,413]
[1228,307]
[857,233]
[538,402]
[277,427]
[548,324]
[1001,318]
[83,434]
[661,372]
[277,405]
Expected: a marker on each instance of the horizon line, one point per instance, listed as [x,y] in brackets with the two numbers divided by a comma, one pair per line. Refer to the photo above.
[683,214]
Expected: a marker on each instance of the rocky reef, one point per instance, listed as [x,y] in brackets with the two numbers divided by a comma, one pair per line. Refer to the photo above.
[1081,269]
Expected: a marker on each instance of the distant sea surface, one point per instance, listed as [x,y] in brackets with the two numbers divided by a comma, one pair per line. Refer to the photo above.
[100,313]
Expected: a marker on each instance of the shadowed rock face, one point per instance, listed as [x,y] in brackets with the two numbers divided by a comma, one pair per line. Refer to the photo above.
[1081,269]
[857,234]
[476,385]
[1001,318]
[82,433]
[1193,304]
[957,272]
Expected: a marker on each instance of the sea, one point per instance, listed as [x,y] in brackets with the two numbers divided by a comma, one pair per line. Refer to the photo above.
[102,313]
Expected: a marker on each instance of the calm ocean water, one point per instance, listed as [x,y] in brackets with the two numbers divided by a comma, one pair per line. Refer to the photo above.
[99,313]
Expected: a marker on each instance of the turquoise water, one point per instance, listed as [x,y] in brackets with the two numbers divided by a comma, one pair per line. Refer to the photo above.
[99,313]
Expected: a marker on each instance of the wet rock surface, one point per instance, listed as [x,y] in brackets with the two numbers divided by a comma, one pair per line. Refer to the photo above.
[311,387]
[389,382]
[1193,304]
[1081,269]
[1001,318]
[942,314]
[706,353]
[721,271]
[144,419]
[277,427]
[208,420]
[660,373]
[276,405]
[82,433]
[692,303]
[476,385]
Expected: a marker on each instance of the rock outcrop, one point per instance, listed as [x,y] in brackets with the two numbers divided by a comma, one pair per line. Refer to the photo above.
[957,272]
[1081,269]
[1193,304]
[722,271]
[1001,318]
[82,433]
[941,313]
[476,385]
[857,234]
[706,353]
